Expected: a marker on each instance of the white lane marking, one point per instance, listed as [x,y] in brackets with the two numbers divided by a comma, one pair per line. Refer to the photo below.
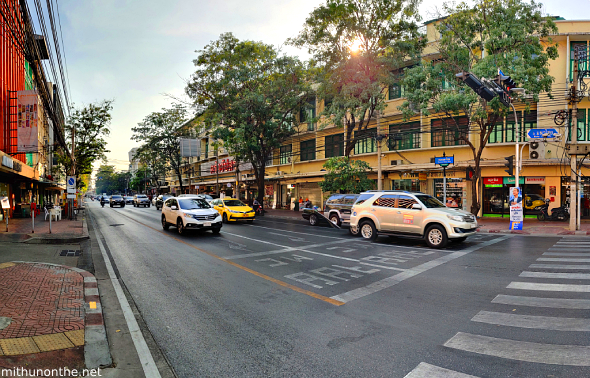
[424,370]
[292,238]
[567,276]
[578,304]
[565,254]
[553,354]
[557,259]
[557,266]
[409,273]
[260,241]
[283,250]
[145,356]
[549,287]
[550,323]
[383,267]
[302,233]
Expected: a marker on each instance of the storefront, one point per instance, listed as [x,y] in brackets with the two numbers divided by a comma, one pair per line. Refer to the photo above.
[584,193]
[410,185]
[456,191]
[496,194]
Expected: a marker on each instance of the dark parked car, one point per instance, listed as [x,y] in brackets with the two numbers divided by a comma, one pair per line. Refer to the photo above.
[117,200]
[141,200]
[161,199]
[336,209]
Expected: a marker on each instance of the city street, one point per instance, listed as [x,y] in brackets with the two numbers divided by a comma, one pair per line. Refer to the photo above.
[282,298]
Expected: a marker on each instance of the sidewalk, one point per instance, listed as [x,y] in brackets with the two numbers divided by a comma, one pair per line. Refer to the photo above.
[486,225]
[50,310]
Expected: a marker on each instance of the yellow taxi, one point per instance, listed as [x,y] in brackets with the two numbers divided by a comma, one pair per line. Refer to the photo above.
[232,210]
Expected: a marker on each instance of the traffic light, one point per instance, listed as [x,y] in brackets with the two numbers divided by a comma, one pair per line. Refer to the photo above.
[510,165]
[469,173]
[474,83]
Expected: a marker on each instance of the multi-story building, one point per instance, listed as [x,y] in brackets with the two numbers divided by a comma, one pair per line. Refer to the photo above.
[296,168]
[31,114]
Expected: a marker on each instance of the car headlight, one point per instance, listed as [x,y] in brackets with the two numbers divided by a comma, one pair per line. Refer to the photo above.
[457,218]
[233,211]
[191,216]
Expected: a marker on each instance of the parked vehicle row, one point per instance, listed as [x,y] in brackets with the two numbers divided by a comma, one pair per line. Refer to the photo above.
[397,213]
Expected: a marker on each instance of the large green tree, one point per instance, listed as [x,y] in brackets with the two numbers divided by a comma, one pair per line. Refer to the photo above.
[160,132]
[149,155]
[249,93]
[90,126]
[511,35]
[346,176]
[357,46]
[111,182]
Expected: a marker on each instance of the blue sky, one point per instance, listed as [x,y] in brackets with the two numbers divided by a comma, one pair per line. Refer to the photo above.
[135,52]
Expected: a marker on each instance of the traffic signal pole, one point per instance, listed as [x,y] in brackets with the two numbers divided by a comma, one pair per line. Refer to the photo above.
[517,153]
[573,149]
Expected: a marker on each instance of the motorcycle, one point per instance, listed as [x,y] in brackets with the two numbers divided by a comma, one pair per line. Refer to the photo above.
[561,213]
[102,203]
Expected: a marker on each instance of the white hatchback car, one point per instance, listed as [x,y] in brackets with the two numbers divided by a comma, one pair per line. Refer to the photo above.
[190,214]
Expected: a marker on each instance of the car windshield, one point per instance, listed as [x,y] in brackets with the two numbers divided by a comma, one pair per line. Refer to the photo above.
[116,197]
[142,196]
[234,203]
[193,203]
[430,202]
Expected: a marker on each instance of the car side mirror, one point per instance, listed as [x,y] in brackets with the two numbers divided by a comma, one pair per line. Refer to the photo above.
[417,206]
[220,205]
[173,207]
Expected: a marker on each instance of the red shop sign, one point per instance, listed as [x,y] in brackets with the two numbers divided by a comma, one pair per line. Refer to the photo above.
[492,180]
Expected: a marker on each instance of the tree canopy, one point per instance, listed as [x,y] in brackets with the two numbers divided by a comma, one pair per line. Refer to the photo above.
[357,45]
[346,176]
[510,35]
[248,93]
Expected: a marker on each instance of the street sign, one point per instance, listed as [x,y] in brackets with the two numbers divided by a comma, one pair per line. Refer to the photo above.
[71,191]
[71,196]
[444,161]
[542,133]
[71,182]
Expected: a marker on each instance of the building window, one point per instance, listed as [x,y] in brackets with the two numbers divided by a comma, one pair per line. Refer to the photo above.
[285,154]
[334,145]
[583,64]
[582,126]
[308,150]
[269,159]
[365,142]
[404,137]
[449,131]
[510,127]
[307,114]
[497,134]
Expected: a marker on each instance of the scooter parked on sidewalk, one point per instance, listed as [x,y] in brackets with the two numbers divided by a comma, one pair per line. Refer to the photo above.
[561,213]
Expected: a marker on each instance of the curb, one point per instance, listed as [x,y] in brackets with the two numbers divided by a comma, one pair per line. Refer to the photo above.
[56,240]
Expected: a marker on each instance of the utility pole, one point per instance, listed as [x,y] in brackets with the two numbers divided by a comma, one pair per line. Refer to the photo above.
[217,172]
[379,173]
[574,146]
[516,155]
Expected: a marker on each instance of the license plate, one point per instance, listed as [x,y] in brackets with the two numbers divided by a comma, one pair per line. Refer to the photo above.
[207,224]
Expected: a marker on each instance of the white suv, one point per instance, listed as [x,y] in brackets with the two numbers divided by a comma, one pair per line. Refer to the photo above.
[190,214]
[412,214]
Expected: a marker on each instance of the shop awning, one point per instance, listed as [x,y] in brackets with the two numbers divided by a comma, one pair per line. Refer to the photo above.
[56,188]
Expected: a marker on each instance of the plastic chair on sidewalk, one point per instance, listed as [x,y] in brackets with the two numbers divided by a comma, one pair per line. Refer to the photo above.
[46,213]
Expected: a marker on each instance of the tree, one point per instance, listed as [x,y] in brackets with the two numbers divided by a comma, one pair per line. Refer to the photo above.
[161,133]
[515,38]
[90,126]
[149,155]
[346,176]
[358,45]
[249,93]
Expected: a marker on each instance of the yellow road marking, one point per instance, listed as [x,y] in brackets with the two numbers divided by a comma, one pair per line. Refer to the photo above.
[93,305]
[264,276]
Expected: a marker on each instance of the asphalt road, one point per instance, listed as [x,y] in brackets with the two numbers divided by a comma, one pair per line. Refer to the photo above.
[282,298]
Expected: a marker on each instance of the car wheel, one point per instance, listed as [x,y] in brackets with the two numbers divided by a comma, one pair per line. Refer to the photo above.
[111,205]
[368,230]
[149,206]
[334,218]
[179,226]
[216,230]
[354,231]
[224,218]
[122,206]
[313,220]
[459,240]
[165,224]
[436,236]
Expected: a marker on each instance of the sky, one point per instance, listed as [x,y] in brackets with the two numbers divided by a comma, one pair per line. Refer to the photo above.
[139,52]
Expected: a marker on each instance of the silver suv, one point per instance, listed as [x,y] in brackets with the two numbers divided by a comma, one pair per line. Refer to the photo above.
[412,214]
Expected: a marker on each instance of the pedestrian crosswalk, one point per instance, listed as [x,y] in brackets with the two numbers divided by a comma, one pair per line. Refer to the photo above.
[550,276]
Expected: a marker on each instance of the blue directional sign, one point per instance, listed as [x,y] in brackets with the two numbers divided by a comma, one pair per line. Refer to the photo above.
[542,133]
[444,161]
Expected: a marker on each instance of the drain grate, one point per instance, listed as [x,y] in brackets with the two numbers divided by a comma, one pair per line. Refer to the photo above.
[116,224]
[70,252]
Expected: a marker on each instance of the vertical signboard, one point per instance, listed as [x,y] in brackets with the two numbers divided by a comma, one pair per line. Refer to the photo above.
[516,212]
[27,121]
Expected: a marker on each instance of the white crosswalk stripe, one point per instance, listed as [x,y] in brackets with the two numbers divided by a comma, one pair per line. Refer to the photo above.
[424,370]
[561,265]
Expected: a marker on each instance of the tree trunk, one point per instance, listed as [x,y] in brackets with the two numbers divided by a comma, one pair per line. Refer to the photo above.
[260,181]
[180,180]
[475,205]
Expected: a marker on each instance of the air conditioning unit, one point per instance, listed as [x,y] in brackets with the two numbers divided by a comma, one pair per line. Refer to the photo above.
[397,162]
[289,159]
[279,173]
[536,150]
[247,176]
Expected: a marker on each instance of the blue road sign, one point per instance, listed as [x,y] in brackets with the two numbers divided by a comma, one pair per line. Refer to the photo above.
[542,133]
[71,181]
[444,160]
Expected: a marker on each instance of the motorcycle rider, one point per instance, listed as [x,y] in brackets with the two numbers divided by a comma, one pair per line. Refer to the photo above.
[102,201]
